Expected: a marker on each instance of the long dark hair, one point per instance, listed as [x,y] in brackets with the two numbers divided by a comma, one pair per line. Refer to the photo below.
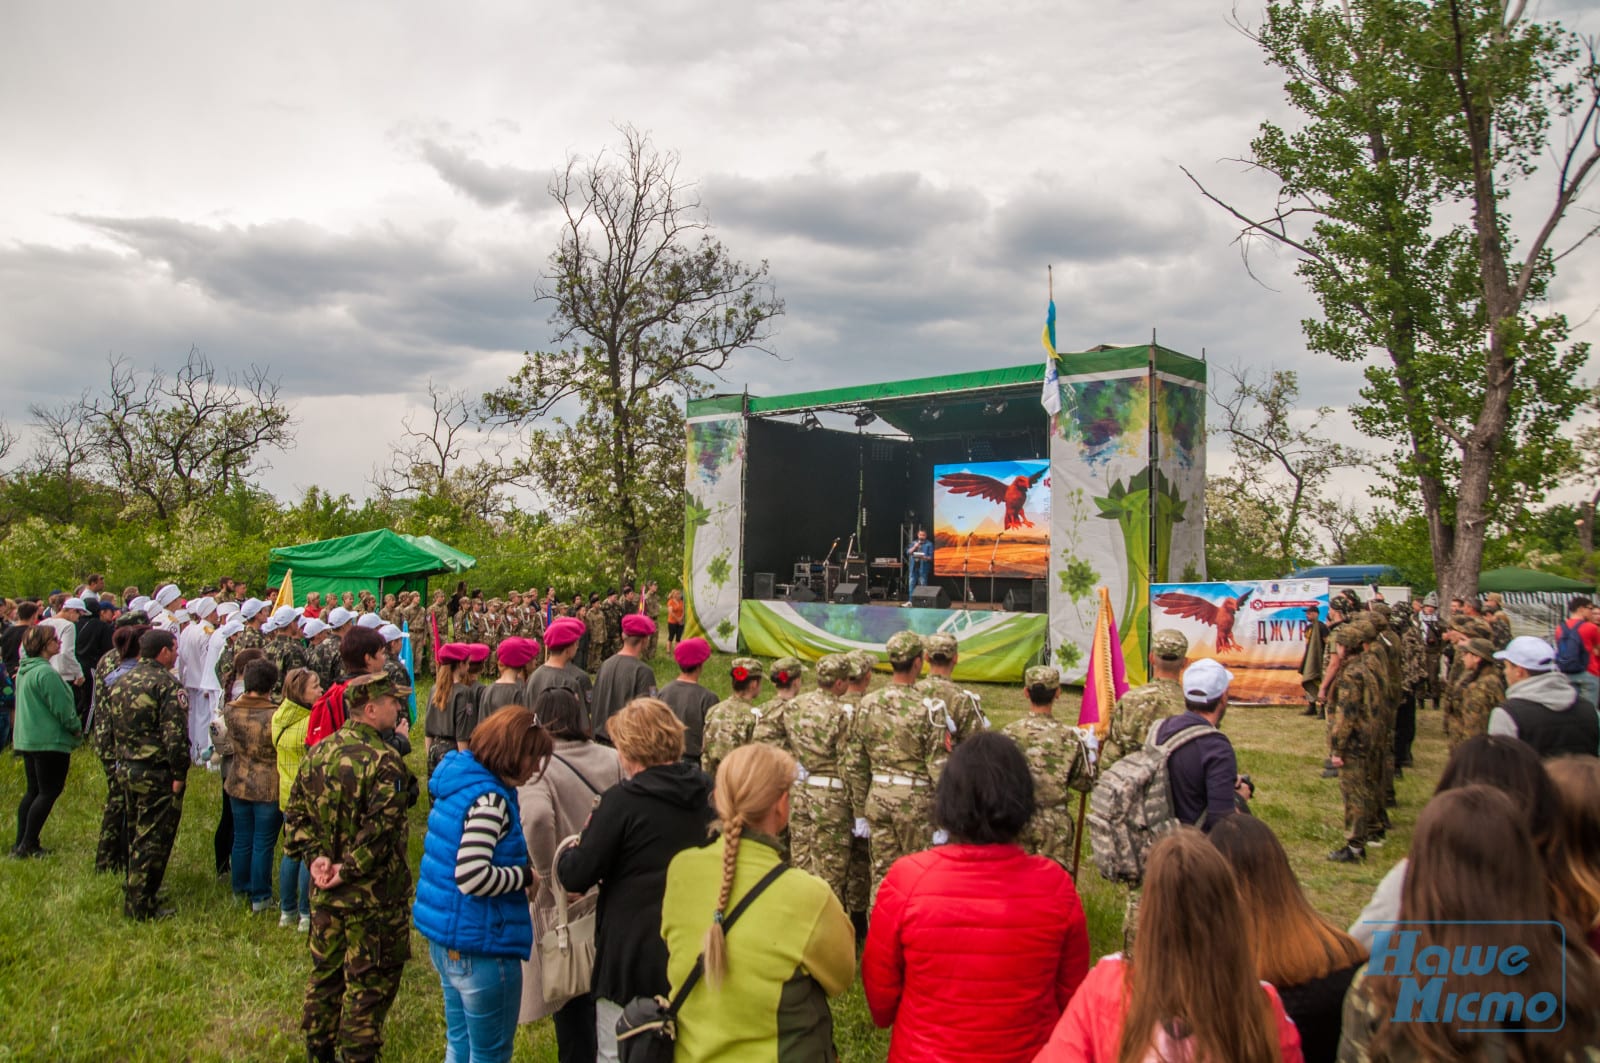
[236,670]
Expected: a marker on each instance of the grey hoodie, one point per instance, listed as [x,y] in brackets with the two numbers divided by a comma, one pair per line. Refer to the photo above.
[1549,689]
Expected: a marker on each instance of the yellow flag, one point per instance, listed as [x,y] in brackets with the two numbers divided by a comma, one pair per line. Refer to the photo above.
[285,591]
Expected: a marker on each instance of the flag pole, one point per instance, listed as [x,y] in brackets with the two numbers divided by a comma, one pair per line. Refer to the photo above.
[1077,835]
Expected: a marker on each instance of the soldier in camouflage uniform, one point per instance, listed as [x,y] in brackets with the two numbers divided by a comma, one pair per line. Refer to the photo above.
[1356,700]
[346,816]
[858,883]
[611,609]
[963,713]
[324,656]
[1482,690]
[1499,623]
[1462,628]
[650,605]
[785,673]
[1413,684]
[1059,764]
[731,723]
[899,750]
[284,648]
[1145,705]
[596,619]
[251,638]
[817,730]
[1431,627]
[1388,644]
[147,716]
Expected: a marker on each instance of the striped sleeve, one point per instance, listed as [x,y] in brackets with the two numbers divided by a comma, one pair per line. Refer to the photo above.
[488,820]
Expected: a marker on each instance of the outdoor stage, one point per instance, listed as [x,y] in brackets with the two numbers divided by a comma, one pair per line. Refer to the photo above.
[801,509]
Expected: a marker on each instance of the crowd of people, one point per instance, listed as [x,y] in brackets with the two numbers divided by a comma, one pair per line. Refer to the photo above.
[594,845]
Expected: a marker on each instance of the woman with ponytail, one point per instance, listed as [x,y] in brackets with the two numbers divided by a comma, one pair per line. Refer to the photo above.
[765,990]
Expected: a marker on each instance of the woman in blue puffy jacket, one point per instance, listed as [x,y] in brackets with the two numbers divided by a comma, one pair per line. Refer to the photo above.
[476,881]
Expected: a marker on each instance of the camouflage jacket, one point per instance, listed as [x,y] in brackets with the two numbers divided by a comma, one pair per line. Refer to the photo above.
[771,728]
[248,639]
[1135,711]
[349,804]
[99,724]
[1500,629]
[324,660]
[1415,658]
[729,725]
[1481,694]
[147,714]
[960,703]
[818,729]
[1391,668]
[1056,758]
[1356,705]
[896,733]
[287,654]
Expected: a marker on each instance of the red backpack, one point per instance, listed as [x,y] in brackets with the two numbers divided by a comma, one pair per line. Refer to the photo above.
[327,715]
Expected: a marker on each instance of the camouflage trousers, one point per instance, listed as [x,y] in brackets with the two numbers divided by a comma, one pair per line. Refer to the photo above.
[1050,833]
[111,853]
[900,820]
[152,816]
[1130,918]
[357,957]
[1356,786]
[819,835]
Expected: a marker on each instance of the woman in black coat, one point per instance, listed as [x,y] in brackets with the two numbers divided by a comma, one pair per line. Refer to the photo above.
[661,807]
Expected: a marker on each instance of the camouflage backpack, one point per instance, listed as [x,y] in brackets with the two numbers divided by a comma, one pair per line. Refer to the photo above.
[1132,806]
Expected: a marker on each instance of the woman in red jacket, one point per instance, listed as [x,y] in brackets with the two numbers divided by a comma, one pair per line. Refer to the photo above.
[975,947]
[1189,992]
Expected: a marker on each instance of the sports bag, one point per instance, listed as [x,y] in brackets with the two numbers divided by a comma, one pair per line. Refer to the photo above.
[1132,805]
[1572,657]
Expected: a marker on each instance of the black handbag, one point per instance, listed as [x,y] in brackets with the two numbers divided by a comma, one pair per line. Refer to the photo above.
[648,1029]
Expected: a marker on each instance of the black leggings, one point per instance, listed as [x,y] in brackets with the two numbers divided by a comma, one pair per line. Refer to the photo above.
[47,777]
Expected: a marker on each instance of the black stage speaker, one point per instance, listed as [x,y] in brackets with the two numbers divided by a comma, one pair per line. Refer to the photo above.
[1041,596]
[800,592]
[930,598]
[765,586]
[852,593]
[1018,600]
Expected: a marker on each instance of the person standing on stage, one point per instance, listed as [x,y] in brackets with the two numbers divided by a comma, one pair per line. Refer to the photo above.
[920,567]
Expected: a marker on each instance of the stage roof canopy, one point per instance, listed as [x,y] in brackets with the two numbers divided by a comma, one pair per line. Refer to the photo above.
[980,401]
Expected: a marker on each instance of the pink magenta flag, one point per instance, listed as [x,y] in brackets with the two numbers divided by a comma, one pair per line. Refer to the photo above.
[1107,678]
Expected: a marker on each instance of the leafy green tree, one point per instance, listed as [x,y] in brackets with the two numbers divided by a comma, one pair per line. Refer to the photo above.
[646,304]
[1419,118]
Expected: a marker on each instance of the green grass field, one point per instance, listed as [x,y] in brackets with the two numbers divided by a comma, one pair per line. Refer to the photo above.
[216,983]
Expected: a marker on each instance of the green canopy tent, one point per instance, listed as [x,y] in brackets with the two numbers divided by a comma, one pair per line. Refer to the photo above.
[379,561]
[1535,601]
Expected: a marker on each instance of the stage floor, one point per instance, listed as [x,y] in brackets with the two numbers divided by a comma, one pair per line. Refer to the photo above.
[996,646]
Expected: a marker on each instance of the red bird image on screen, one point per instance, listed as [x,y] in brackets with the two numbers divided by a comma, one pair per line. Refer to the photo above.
[1219,615]
[1012,495]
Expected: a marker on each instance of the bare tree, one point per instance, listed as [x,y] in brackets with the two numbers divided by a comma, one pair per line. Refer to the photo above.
[452,451]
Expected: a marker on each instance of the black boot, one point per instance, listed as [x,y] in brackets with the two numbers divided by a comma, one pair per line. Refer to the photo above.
[1348,854]
[1329,771]
[858,920]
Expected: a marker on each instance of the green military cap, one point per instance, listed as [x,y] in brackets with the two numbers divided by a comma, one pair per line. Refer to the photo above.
[749,666]
[861,663]
[786,670]
[939,646]
[1169,644]
[834,667]
[1473,627]
[1348,635]
[1479,648]
[1369,633]
[132,618]
[1382,609]
[1042,675]
[904,647]
[368,688]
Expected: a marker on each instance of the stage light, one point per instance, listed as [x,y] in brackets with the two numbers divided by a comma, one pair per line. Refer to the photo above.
[932,413]
[994,409]
[864,418]
[809,421]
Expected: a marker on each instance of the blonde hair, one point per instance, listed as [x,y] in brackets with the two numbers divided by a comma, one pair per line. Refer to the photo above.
[1575,873]
[647,732]
[750,781]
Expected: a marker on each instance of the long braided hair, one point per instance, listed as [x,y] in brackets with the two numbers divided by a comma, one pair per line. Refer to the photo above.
[750,782]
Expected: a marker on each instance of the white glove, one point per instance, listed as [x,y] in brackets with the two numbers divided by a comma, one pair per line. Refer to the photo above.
[941,836]
[800,773]
[862,829]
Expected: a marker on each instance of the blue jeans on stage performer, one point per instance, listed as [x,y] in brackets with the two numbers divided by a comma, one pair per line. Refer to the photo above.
[920,568]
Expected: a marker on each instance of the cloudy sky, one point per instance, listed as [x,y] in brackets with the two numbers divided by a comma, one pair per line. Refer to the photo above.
[355,194]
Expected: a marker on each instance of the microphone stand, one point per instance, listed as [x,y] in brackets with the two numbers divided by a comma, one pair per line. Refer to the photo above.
[992,554]
[966,580]
[827,588]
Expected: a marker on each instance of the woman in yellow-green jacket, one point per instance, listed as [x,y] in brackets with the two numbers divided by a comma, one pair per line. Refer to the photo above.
[301,689]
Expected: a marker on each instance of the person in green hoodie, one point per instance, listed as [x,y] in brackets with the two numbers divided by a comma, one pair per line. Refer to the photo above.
[47,731]
[301,689]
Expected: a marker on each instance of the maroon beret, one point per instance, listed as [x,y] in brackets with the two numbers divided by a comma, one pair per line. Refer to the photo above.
[517,652]
[563,631]
[692,653]
[637,624]
[452,653]
[477,652]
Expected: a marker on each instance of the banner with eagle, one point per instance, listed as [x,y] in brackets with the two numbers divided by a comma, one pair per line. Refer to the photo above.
[1258,628]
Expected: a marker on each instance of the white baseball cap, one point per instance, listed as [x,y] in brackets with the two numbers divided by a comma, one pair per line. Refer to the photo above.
[313,627]
[1525,651]
[270,625]
[339,617]
[1205,680]
[390,633]
[251,607]
[372,620]
[283,616]
[227,608]
[140,604]
[75,603]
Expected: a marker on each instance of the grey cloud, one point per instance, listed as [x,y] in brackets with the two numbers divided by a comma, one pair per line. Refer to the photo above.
[485,184]
[878,210]
[1054,222]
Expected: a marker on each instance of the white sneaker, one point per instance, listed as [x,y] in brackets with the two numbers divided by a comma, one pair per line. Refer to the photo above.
[285,918]
[305,924]
[260,906]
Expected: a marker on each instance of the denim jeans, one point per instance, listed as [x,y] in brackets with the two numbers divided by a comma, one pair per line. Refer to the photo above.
[294,885]
[255,833]
[482,995]
[1587,684]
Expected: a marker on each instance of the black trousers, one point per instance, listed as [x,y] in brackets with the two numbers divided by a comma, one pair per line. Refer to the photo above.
[575,1034]
[47,776]
[1405,727]
[222,841]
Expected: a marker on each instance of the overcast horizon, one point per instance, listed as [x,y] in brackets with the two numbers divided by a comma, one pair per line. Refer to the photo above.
[355,195]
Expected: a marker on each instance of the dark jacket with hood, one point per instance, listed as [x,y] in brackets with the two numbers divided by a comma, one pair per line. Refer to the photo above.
[1543,710]
[638,827]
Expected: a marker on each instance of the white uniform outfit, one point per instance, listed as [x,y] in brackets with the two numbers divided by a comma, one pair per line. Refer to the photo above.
[210,685]
[193,641]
